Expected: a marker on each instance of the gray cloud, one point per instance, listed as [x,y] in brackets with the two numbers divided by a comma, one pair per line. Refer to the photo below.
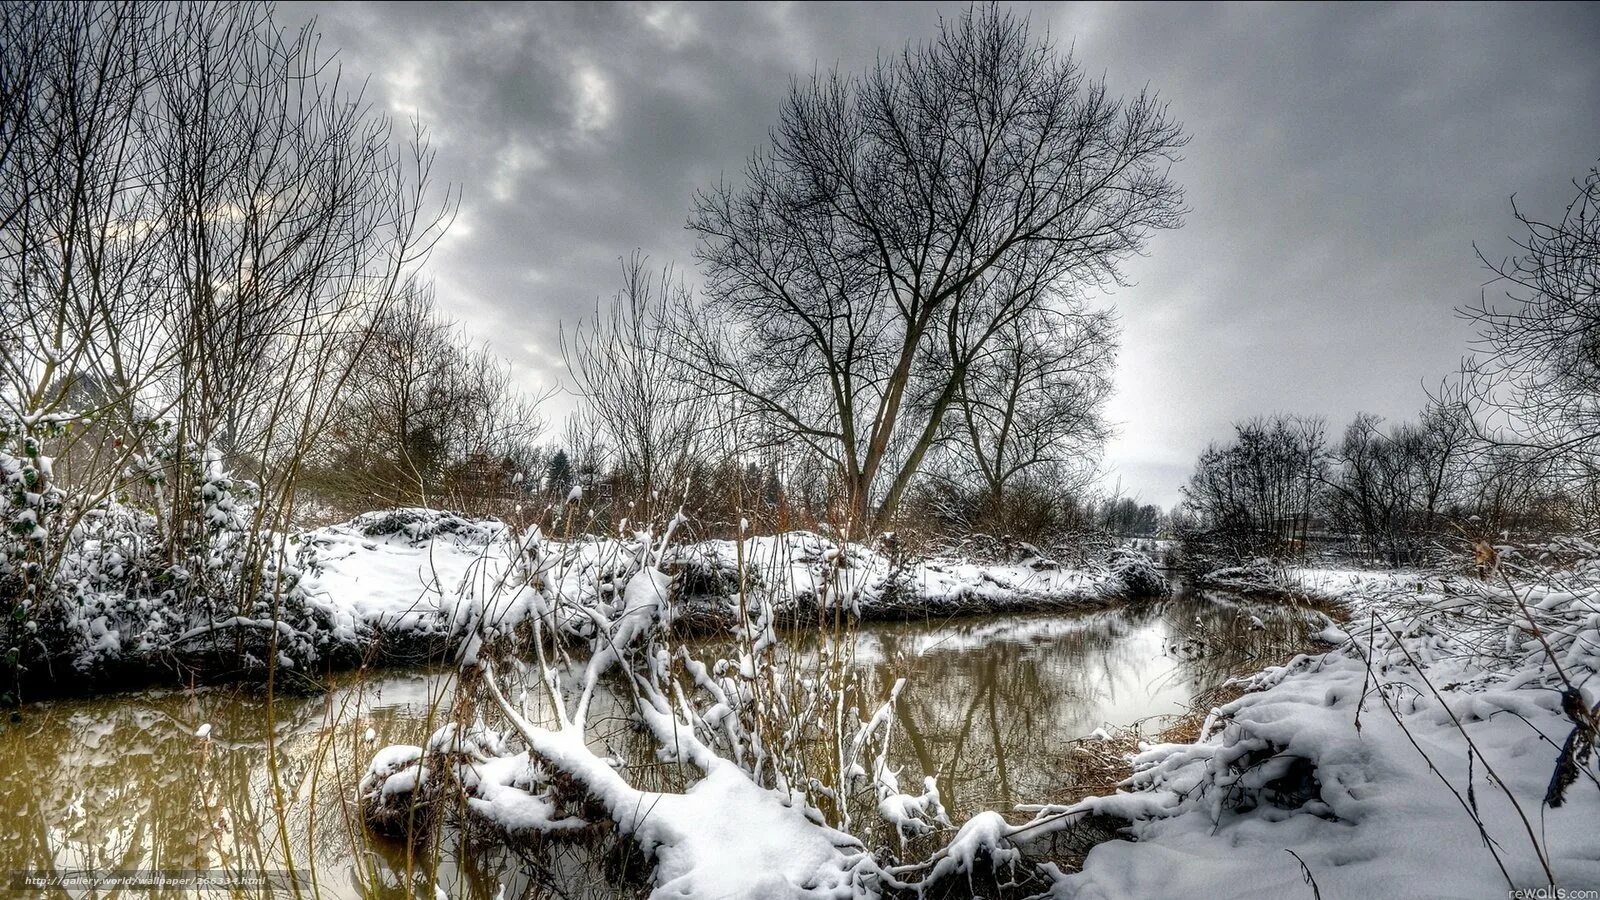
[1344,160]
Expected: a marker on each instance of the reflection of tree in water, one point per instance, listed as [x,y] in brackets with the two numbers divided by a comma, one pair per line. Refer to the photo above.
[124,784]
[986,718]
[1212,637]
[995,712]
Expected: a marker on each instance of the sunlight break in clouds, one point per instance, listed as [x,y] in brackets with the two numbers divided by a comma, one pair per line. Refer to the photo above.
[594,99]
[675,24]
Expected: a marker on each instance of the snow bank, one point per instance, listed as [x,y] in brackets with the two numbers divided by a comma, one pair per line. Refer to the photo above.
[393,571]
[1323,583]
[403,581]
[1368,770]
[420,572]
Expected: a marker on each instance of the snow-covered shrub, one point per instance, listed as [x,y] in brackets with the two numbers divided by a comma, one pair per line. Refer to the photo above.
[1255,575]
[897,585]
[395,794]
[29,506]
[710,573]
[28,501]
[1136,574]
[215,550]
[418,525]
[93,584]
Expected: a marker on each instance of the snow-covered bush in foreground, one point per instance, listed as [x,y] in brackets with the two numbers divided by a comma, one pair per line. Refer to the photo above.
[1437,753]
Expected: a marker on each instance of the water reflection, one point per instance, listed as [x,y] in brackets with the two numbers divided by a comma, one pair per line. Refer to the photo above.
[992,709]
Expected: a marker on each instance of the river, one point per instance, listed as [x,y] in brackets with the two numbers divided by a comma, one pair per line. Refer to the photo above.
[995,708]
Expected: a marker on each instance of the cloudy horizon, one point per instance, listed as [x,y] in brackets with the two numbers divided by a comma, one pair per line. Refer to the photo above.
[1343,162]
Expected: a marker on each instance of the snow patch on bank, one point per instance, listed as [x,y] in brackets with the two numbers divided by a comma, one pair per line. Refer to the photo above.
[1368,769]
[422,572]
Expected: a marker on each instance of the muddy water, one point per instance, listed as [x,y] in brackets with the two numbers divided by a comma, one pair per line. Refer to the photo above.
[993,708]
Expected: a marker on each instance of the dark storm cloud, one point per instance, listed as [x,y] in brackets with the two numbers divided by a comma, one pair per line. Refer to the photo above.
[1344,160]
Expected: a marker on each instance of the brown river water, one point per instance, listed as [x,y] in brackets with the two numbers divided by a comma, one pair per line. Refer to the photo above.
[992,707]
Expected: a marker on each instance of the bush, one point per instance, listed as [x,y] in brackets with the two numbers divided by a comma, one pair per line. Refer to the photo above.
[1137,574]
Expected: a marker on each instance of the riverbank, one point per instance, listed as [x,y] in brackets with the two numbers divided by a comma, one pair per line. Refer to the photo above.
[1454,707]
[402,586]
[997,707]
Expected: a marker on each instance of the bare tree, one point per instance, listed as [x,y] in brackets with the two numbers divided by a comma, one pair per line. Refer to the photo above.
[81,235]
[1374,489]
[1514,488]
[1538,374]
[1127,517]
[200,219]
[650,408]
[1034,400]
[1394,488]
[899,223]
[295,221]
[1258,493]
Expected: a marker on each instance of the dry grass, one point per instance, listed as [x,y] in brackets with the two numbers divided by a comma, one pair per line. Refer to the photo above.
[1096,767]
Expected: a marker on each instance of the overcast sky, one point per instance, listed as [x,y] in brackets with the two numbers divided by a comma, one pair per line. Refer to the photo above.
[1344,160]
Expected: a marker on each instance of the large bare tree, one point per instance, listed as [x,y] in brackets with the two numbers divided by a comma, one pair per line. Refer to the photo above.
[900,223]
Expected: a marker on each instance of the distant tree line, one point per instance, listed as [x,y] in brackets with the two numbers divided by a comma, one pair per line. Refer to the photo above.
[1280,487]
[1511,448]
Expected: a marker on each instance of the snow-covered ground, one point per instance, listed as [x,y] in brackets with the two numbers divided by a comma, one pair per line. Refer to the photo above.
[1324,583]
[1414,760]
[393,584]
[412,571]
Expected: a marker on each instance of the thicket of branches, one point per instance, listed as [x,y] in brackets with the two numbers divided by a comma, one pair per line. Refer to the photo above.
[1535,379]
[426,420]
[1394,494]
[203,228]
